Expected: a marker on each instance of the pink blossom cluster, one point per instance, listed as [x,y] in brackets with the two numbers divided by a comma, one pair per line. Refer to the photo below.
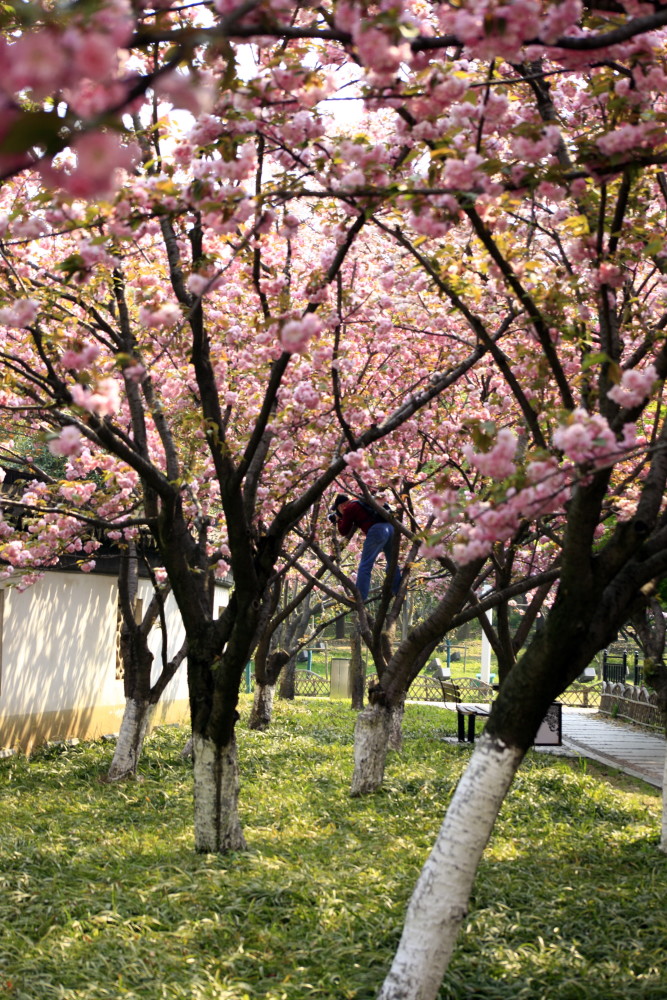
[627,137]
[306,395]
[20,314]
[490,29]
[182,90]
[380,50]
[103,400]
[635,386]
[498,461]
[465,174]
[546,491]
[49,59]
[69,442]
[610,274]
[160,316]
[587,437]
[296,333]
[532,150]
[95,172]
[356,460]
[80,357]
[78,493]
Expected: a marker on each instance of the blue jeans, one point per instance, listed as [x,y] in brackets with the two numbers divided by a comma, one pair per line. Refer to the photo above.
[379,539]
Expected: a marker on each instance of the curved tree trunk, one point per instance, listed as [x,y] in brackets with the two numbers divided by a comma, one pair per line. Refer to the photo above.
[136,723]
[371,742]
[216,780]
[439,902]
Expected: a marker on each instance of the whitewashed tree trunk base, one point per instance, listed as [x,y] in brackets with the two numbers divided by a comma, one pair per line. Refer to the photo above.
[396,727]
[136,723]
[216,779]
[663,831]
[371,740]
[262,709]
[439,902]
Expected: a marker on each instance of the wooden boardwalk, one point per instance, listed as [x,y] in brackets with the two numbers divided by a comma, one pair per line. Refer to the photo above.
[632,749]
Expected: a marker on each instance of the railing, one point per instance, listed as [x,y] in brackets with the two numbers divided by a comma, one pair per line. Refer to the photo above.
[311,685]
[424,688]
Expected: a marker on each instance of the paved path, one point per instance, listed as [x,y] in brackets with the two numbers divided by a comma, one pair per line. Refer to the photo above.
[632,749]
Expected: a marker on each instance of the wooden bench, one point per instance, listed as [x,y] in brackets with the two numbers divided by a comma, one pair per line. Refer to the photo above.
[464,709]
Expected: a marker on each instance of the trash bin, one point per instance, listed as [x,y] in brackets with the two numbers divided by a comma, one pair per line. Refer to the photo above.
[340,677]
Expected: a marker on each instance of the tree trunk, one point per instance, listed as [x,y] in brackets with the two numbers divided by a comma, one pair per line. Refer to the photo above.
[288,680]
[371,741]
[663,830]
[341,626]
[439,902]
[262,708]
[357,670]
[267,671]
[396,714]
[216,779]
[136,722]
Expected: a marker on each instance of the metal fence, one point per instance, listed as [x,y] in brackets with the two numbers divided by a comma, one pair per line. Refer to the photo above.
[425,688]
[311,685]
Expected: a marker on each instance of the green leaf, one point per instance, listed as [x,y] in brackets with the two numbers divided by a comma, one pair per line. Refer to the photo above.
[655,246]
[591,360]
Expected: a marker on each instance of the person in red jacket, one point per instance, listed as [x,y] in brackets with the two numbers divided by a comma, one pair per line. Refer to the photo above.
[351,514]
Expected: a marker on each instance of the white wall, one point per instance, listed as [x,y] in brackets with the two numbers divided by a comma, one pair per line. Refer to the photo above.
[59,644]
[58,662]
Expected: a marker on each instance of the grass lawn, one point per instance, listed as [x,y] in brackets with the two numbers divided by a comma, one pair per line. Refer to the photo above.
[101,895]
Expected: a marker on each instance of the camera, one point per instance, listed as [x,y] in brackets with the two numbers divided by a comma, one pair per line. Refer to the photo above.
[332,517]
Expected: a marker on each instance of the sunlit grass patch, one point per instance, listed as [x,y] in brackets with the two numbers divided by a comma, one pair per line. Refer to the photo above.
[102,896]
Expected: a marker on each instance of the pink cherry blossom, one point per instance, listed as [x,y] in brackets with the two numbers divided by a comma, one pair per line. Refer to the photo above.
[499,460]
[69,442]
[586,437]
[356,460]
[20,314]
[82,358]
[160,316]
[306,395]
[635,386]
[104,400]
[296,333]
[100,156]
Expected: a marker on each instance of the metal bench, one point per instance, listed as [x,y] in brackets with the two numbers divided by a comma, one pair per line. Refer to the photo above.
[550,732]
[464,709]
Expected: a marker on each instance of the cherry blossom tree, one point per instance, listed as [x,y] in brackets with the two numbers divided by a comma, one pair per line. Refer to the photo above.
[106,340]
[515,158]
